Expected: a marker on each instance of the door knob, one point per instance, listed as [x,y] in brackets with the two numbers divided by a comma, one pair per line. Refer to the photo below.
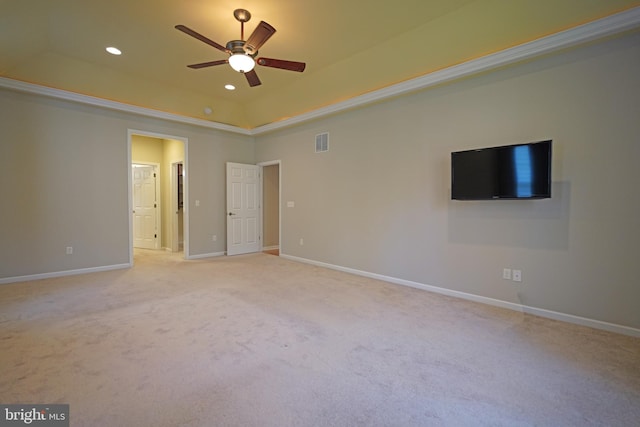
[231,213]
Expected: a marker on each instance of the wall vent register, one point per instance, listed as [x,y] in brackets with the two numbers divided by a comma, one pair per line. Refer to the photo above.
[322,143]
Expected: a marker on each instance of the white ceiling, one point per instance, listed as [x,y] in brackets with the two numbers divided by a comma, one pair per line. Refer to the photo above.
[350,47]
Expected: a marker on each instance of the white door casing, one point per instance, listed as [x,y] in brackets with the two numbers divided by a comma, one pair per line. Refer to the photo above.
[145,207]
[177,212]
[243,208]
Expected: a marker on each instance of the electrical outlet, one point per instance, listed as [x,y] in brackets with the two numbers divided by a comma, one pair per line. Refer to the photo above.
[301,241]
[69,250]
[214,238]
[506,273]
[517,275]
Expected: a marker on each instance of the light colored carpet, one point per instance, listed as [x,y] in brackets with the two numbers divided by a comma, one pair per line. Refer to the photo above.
[257,340]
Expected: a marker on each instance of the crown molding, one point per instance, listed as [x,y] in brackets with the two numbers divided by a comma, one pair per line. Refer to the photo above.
[605,27]
[21,86]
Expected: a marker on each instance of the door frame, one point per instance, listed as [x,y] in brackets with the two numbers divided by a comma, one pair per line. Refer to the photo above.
[261,214]
[156,170]
[175,232]
[185,212]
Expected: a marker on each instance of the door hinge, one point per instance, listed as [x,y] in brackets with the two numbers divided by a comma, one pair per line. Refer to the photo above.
[154,174]
[155,236]
[155,205]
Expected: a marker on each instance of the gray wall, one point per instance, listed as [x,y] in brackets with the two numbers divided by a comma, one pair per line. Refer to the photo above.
[379,200]
[65,172]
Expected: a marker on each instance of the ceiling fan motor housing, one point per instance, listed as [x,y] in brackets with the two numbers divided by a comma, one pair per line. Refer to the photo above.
[237,46]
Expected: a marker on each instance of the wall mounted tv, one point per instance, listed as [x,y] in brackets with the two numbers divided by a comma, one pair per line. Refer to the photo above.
[521,171]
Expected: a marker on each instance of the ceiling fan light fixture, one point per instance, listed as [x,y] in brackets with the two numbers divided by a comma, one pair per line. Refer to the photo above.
[241,62]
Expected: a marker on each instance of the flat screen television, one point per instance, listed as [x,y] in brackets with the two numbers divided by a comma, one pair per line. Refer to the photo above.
[521,171]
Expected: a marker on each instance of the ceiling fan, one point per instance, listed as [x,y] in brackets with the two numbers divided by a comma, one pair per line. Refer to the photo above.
[242,54]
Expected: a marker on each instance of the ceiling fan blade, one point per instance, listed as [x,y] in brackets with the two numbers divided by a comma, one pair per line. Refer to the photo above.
[208,64]
[202,38]
[282,64]
[252,78]
[259,36]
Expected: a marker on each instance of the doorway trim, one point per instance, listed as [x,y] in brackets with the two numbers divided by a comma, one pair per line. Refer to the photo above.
[262,165]
[185,141]
[175,208]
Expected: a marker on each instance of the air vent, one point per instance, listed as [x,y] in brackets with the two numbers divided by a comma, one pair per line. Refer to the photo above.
[322,143]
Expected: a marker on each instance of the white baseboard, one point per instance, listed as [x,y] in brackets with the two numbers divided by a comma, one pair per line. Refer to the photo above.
[30,277]
[569,318]
[209,255]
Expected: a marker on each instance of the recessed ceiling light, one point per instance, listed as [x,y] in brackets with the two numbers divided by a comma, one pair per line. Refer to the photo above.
[229,87]
[114,50]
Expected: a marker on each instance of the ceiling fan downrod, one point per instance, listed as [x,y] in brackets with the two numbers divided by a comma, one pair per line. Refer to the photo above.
[243,16]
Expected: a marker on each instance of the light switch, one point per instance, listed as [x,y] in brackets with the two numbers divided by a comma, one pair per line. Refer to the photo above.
[291,204]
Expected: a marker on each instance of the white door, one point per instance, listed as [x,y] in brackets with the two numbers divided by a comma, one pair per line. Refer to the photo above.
[243,210]
[145,230]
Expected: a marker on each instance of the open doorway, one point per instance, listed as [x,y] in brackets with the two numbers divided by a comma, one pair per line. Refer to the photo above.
[271,207]
[253,208]
[168,155]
